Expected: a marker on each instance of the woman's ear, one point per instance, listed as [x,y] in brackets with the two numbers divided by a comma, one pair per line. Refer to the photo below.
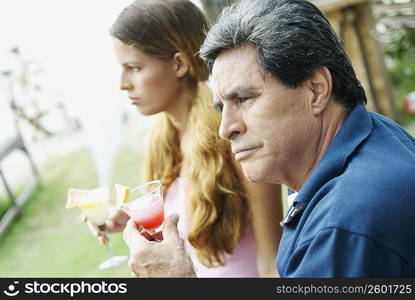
[181,65]
[320,85]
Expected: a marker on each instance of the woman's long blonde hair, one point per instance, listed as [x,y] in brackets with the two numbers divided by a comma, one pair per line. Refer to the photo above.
[216,205]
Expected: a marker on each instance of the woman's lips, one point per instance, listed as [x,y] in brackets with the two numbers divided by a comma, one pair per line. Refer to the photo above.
[135,101]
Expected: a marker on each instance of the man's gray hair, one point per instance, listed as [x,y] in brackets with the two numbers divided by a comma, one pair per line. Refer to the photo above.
[292,39]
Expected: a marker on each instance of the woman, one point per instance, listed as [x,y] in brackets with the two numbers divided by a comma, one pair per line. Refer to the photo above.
[229,225]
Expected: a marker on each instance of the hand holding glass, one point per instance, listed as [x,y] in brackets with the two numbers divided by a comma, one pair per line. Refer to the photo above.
[95,207]
[146,207]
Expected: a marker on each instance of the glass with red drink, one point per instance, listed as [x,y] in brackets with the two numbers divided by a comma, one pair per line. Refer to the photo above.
[145,206]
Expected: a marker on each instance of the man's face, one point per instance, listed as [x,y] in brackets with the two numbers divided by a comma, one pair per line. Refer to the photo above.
[268,123]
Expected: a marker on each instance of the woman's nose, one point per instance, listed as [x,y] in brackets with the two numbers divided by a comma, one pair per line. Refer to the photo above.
[125,84]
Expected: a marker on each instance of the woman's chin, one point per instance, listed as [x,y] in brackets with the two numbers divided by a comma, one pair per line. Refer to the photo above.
[147,112]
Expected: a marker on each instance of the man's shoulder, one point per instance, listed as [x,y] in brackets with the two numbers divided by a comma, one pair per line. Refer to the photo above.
[365,200]
[383,166]
[389,136]
[378,175]
[335,252]
[373,206]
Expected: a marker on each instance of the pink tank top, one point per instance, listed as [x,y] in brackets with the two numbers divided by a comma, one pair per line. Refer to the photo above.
[241,263]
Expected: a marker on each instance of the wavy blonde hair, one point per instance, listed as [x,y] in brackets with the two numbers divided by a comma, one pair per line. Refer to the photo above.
[216,205]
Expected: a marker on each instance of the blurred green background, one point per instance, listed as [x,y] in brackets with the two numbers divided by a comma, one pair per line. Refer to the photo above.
[50,241]
[401,57]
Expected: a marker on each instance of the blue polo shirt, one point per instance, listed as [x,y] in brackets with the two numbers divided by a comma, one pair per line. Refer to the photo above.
[355,215]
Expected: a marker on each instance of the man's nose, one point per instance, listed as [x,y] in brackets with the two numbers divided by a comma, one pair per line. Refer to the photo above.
[231,124]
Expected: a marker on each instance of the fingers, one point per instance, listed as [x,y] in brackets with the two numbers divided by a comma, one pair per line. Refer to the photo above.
[99,234]
[116,220]
[132,236]
[118,215]
[83,217]
[170,227]
[147,235]
[103,239]
[110,226]
[134,274]
[158,236]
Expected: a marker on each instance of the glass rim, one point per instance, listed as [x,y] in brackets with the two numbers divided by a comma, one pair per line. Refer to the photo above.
[148,183]
[127,204]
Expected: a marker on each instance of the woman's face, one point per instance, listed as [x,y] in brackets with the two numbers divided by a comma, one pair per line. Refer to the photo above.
[152,83]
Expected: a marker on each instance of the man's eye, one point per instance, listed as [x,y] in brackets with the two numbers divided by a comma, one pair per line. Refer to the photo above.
[245,102]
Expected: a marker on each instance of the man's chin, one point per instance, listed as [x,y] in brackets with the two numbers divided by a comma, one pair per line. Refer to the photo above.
[251,175]
[257,170]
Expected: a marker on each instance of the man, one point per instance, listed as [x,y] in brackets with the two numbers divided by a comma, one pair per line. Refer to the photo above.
[294,112]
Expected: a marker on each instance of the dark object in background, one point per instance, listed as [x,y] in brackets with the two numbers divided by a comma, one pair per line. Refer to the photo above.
[213,8]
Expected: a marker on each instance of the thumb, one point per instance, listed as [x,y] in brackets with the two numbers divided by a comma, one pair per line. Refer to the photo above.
[131,234]
[170,231]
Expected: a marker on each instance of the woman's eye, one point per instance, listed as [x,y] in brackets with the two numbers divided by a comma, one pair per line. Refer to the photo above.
[134,69]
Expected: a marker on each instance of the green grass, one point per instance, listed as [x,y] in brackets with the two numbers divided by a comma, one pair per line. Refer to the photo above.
[4,205]
[5,202]
[49,241]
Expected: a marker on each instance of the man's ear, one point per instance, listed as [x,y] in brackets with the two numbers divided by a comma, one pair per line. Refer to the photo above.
[181,65]
[320,84]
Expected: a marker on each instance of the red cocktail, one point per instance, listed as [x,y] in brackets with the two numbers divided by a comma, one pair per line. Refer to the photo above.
[146,206]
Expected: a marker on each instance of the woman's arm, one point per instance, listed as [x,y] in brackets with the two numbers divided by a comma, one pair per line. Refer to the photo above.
[265,201]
